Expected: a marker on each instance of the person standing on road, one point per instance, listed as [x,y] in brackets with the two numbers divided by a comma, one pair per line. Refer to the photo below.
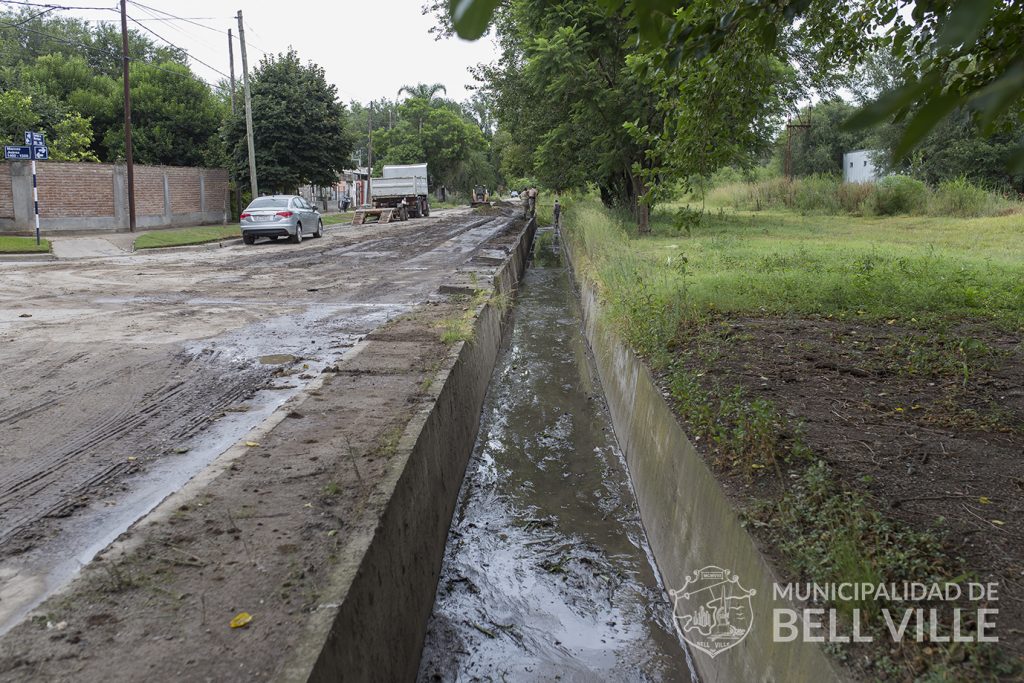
[531,201]
[557,212]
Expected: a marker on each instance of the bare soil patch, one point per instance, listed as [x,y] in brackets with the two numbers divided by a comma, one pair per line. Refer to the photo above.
[928,426]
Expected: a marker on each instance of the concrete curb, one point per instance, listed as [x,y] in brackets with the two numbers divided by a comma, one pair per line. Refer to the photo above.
[689,519]
[27,258]
[373,618]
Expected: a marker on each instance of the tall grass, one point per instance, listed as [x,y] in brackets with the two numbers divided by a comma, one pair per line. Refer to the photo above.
[894,195]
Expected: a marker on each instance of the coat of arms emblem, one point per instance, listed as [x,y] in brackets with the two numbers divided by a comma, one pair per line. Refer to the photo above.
[712,610]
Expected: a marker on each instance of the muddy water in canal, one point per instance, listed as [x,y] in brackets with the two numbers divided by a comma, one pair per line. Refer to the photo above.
[547,574]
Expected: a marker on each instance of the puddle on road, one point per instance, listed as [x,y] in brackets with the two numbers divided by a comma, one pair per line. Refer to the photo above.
[547,574]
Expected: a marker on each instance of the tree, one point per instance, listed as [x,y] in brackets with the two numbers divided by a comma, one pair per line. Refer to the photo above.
[176,119]
[427,130]
[298,124]
[422,90]
[819,149]
[953,55]
[16,116]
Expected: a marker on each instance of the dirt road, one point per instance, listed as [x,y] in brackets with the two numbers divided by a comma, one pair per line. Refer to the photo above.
[124,376]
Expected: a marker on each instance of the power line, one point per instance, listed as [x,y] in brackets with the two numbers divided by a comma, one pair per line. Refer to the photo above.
[192,40]
[183,50]
[55,7]
[187,20]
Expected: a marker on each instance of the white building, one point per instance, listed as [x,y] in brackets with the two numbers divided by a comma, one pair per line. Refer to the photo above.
[859,166]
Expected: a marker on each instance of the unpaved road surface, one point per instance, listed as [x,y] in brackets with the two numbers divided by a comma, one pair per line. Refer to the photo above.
[124,376]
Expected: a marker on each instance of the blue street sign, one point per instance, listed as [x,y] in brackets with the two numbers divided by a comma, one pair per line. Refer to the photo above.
[33,138]
[17,152]
[40,152]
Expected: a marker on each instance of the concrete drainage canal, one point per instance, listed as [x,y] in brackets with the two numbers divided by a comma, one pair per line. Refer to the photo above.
[547,574]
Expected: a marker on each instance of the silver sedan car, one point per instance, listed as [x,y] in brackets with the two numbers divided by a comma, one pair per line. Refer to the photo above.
[280,215]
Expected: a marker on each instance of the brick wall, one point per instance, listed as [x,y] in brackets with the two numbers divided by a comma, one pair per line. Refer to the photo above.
[217,190]
[81,196]
[184,184]
[149,191]
[6,193]
[75,190]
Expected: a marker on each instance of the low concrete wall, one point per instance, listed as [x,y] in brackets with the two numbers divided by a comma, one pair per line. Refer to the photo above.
[689,520]
[376,629]
[86,197]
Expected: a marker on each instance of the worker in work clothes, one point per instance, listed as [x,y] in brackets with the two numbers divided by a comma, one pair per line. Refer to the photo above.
[531,201]
[557,212]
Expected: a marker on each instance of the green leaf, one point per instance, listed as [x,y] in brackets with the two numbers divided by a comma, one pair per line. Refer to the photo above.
[887,104]
[930,113]
[965,22]
[471,17]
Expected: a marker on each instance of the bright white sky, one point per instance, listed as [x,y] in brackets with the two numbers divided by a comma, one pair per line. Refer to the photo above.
[368,48]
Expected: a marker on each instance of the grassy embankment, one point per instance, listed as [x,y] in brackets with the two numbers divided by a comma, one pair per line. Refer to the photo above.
[672,295]
[23,245]
[180,237]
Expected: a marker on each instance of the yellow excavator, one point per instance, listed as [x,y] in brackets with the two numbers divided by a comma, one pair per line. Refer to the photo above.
[480,196]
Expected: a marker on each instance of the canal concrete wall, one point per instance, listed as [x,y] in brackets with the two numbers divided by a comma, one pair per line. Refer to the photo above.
[375,631]
[689,520]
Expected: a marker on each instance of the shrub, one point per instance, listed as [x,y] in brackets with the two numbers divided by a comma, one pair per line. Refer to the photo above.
[856,197]
[818,194]
[959,197]
[900,194]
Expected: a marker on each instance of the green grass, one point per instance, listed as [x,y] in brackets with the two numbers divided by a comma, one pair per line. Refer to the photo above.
[665,292]
[23,245]
[338,218]
[183,236]
[917,270]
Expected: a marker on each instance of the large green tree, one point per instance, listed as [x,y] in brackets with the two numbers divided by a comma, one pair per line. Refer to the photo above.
[299,126]
[952,54]
[71,73]
[437,132]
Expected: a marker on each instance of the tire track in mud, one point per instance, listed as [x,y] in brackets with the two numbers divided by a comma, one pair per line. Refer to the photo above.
[141,425]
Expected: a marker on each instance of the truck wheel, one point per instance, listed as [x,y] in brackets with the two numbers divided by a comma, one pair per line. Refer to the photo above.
[297,237]
[426,208]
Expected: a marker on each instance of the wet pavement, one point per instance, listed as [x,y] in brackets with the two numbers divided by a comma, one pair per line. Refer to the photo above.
[125,376]
[547,575]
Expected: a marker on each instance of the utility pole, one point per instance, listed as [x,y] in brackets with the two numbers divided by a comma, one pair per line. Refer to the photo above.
[369,156]
[231,63]
[248,109]
[127,119]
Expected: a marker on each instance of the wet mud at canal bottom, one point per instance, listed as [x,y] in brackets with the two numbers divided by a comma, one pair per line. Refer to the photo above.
[547,574]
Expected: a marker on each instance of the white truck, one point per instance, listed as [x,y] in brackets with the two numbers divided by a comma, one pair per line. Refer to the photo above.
[403,188]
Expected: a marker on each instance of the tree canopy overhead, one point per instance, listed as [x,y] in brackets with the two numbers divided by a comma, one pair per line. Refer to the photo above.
[298,124]
[952,54]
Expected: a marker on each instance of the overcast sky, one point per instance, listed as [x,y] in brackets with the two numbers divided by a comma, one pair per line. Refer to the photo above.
[369,49]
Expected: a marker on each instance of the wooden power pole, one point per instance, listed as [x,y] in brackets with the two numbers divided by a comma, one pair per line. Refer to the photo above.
[127,118]
[369,155]
[248,109]
[231,63]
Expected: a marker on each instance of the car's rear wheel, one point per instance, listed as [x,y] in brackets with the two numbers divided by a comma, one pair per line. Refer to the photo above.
[249,239]
[319,229]
[297,237]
